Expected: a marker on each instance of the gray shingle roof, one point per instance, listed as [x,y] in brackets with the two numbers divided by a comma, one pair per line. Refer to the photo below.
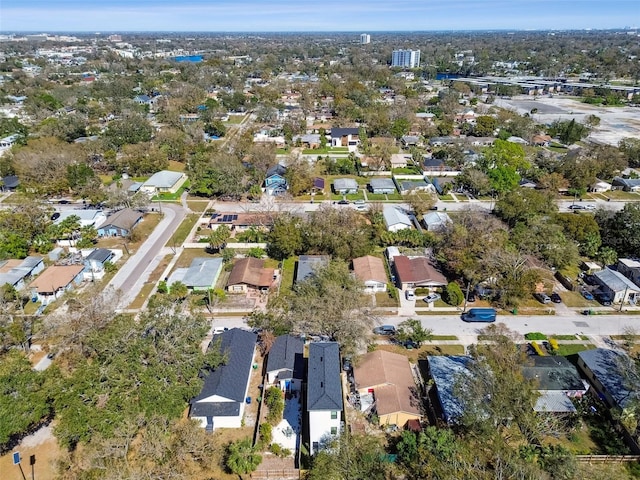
[394,215]
[376,183]
[286,353]
[343,132]
[307,265]
[344,184]
[324,385]
[606,367]
[125,219]
[228,380]
[553,373]
[100,255]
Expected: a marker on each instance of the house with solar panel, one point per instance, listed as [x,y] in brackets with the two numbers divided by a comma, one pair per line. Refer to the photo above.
[239,222]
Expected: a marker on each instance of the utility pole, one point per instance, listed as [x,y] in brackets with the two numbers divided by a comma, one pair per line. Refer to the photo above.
[466,296]
[626,289]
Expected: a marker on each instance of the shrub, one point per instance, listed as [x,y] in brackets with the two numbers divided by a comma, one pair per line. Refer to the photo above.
[266,434]
[453,294]
[554,344]
[275,403]
[535,336]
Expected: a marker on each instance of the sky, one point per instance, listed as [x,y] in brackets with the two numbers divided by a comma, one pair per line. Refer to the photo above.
[314,16]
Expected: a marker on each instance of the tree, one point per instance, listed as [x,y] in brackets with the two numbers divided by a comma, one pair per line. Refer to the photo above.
[219,238]
[568,131]
[178,291]
[400,127]
[503,179]
[285,238]
[411,330]
[621,230]
[485,126]
[242,457]
[630,147]
[421,202]
[453,294]
[525,204]
[130,129]
[475,181]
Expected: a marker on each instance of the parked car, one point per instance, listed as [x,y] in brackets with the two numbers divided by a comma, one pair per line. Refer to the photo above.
[359,202]
[590,207]
[410,345]
[555,298]
[471,297]
[604,299]
[343,202]
[385,330]
[586,294]
[55,216]
[410,295]
[432,297]
[542,298]
[576,207]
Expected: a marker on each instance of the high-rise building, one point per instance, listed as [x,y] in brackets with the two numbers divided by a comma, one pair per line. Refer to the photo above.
[365,38]
[405,58]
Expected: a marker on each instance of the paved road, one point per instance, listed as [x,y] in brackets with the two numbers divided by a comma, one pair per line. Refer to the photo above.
[133,274]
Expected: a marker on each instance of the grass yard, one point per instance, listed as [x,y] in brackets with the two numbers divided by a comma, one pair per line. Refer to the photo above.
[325,151]
[171,197]
[621,195]
[288,269]
[181,234]
[176,166]
[198,205]
[383,299]
[565,349]
[188,254]
[576,300]
[419,353]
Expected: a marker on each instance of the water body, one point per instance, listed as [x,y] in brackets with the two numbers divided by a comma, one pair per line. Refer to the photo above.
[189,58]
[447,76]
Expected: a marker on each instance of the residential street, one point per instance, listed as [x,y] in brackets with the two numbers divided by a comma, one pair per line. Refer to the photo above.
[133,274]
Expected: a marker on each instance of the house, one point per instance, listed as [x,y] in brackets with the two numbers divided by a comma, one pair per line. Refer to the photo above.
[318,185]
[406,186]
[345,137]
[370,270]
[241,222]
[10,141]
[526,183]
[518,140]
[480,141]
[120,223]
[618,287]
[389,378]
[10,183]
[447,372]
[16,272]
[395,218]
[382,186]
[604,369]
[55,281]
[441,141]
[417,272]
[95,261]
[142,99]
[600,186]
[249,273]
[285,363]
[399,160]
[345,186]
[309,140]
[557,381]
[164,181]
[324,394]
[630,268]
[201,276]
[410,141]
[626,184]
[432,164]
[307,264]
[222,400]
[541,140]
[436,221]
[275,183]
[87,218]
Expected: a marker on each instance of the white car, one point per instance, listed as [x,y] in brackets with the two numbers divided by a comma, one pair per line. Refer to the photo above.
[432,297]
[590,207]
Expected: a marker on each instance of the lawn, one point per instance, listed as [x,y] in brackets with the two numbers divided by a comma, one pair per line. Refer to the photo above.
[198,205]
[188,254]
[235,119]
[325,151]
[180,235]
[565,349]
[419,353]
[620,195]
[176,166]
[383,299]
[171,197]
[150,284]
[288,269]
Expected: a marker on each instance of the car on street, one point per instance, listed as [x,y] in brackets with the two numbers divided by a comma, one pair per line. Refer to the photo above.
[590,206]
[555,298]
[385,330]
[576,207]
[55,216]
[343,202]
[432,297]
[586,294]
[542,298]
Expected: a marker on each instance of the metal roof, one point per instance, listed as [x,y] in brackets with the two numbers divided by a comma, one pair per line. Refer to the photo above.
[203,272]
[394,215]
[163,179]
[606,367]
[615,281]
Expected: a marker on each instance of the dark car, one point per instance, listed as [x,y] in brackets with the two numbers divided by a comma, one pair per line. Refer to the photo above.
[55,216]
[542,298]
[576,207]
[586,294]
[343,202]
[555,298]
[64,202]
[471,297]
[604,299]
[385,330]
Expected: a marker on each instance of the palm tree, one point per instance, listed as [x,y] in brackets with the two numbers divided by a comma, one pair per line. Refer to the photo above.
[219,238]
[242,457]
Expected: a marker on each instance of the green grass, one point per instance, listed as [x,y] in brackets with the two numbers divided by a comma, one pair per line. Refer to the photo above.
[564,337]
[375,197]
[325,151]
[565,349]
[235,119]
[438,312]
[171,196]
[282,151]
[437,338]
[383,299]
[620,195]
[288,269]
[180,235]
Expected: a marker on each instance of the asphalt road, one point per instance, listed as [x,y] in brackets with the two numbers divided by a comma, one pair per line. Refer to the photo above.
[133,274]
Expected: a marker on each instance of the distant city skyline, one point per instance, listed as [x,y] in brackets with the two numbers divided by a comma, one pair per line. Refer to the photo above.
[301,15]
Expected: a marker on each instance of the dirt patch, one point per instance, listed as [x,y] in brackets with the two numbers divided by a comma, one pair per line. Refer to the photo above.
[44,446]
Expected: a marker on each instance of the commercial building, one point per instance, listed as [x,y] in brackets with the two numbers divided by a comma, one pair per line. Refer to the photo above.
[365,38]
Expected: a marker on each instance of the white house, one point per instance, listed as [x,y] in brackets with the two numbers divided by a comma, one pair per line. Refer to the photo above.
[223,397]
[370,271]
[395,218]
[436,221]
[164,181]
[324,394]
[88,218]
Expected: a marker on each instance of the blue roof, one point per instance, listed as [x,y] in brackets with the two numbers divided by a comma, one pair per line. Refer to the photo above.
[324,385]
[445,372]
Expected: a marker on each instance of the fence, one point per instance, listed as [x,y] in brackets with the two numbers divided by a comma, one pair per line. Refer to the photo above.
[284,474]
[607,458]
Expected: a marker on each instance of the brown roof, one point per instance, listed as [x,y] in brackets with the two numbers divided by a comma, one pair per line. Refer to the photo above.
[251,271]
[125,219]
[389,375]
[369,268]
[418,270]
[241,219]
[55,277]
[9,264]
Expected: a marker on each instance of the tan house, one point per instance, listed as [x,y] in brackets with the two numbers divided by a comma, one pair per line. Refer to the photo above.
[56,280]
[388,377]
[370,270]
[249,273]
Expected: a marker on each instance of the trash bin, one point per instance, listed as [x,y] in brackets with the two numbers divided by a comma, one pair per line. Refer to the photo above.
[248,400]
[514,311]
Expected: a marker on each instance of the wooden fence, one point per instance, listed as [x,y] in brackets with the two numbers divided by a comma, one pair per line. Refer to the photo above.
[607,458]
[284,474]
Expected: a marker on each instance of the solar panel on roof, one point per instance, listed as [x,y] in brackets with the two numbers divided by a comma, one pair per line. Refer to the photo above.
[235,217]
